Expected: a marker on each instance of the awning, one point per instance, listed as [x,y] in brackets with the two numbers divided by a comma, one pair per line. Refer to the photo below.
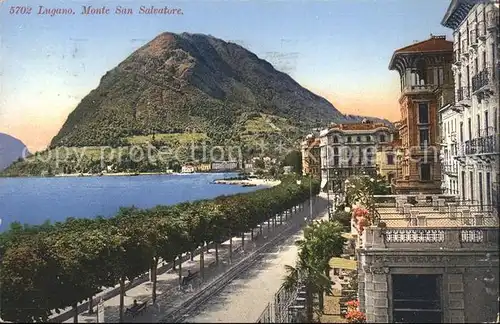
[323,183]
[341,263]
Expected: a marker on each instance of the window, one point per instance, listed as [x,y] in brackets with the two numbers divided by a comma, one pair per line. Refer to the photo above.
[461,132]
[478,125]
[335,151]
[484,60]
[382,138]
[469,123]
[348,139]
[358,139]
[468,82]
[390,158]
[335,139]
[368,138]
[463,185]
[425,172]
[476,66]
[480,175]
[423,113]
[336,161]
[424,137]
[488,189]
[495,121]
[417,298]
[486,123]
[471,184]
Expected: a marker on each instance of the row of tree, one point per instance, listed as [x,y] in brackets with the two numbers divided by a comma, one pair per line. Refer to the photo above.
[57,266]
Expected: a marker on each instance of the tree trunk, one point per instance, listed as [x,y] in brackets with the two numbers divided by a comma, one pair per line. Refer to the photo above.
[202,262]
[251,235]
[154,269]
[180,270]
[208,247]
[230,249]
[242,241]
[309,303]
[75,313]
[122,297]
[268,224]
[260,229]
[216,253]
[173,263]
[91,305]
[191,255]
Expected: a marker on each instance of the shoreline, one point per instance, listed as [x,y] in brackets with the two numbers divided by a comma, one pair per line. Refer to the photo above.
[249,182]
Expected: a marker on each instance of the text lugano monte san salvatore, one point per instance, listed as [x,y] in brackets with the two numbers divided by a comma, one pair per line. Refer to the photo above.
[102,10]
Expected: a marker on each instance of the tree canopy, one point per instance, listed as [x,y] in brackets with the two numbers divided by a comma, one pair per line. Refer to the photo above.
[56,266]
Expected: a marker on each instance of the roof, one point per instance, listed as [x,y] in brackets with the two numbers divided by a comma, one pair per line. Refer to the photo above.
[457,12]
[435,44]
[341,263]
[358,126]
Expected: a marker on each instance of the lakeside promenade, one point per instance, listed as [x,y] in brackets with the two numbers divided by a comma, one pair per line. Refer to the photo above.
[245,298]
[169,295]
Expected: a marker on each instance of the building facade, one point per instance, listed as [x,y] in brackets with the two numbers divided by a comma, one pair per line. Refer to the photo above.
[425,73]
[433,262]
[471,123]
[348,149]
[311,157]
[221,166]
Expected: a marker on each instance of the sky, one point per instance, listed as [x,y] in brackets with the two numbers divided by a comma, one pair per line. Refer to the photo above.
[339,49]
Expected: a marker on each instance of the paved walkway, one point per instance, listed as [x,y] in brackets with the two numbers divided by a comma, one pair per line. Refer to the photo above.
[244,299]
[169,295]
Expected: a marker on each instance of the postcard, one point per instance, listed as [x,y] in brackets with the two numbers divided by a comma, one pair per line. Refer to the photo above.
[249,161]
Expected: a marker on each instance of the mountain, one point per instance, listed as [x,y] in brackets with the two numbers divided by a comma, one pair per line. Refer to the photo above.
[11,149]
[180,83]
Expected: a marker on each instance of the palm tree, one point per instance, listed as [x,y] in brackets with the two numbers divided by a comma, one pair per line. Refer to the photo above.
[315,282]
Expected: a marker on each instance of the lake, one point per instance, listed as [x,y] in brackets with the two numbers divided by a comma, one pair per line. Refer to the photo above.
[35,200]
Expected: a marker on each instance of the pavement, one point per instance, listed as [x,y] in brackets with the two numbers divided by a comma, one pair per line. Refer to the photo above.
[244,299]
[169,295]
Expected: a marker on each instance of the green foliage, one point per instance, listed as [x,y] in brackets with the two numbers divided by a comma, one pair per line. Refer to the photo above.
[294,159]
[322,241]
[56,266]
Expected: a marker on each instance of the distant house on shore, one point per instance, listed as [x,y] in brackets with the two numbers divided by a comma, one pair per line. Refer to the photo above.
[187,169]
[203,167]
[219,166]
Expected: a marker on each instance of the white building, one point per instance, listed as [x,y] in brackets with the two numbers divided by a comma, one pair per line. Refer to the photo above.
[348,149]
[470,124]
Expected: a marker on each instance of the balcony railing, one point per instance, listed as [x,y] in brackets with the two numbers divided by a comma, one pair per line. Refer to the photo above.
[462,93]
[481,80]
[419,88]
[422,237]
[481,30]
[483,145]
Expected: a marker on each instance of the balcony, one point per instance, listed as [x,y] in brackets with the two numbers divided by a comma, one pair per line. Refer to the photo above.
[481,81]
[463,93]
[450,169]
[473,38]
[415,89]
[483,145]
[481,31]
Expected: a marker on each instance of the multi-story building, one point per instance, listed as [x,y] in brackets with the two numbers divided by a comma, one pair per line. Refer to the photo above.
[348,149]
[385,158]
[311,157]
[425,74]
[471,123]
[221,166]
[433,261]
